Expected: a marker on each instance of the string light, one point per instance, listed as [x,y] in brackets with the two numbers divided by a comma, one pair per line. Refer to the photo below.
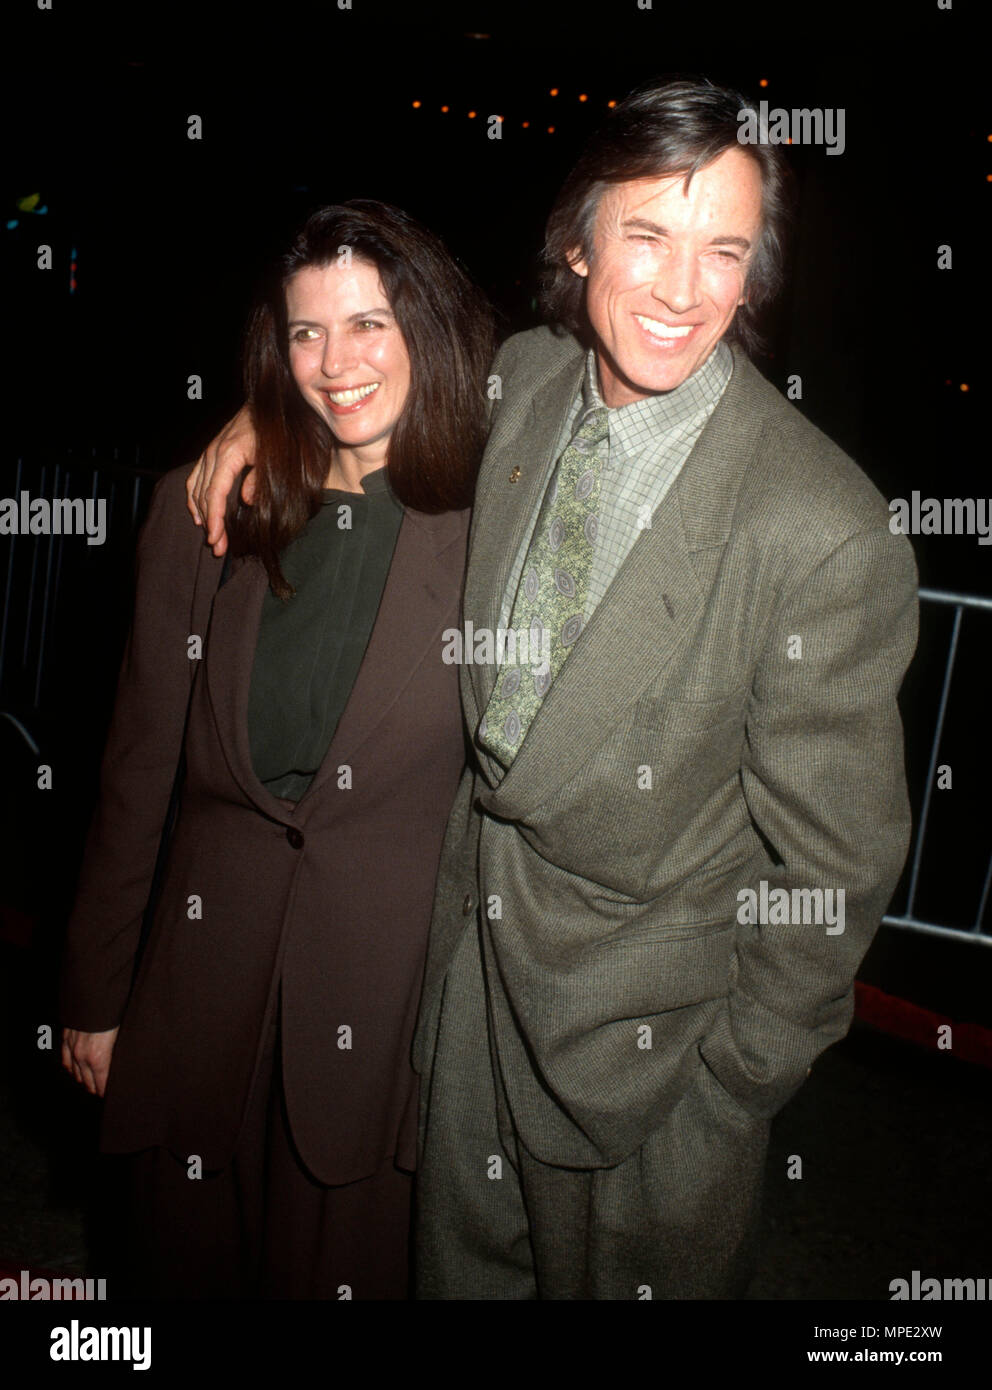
[417,103]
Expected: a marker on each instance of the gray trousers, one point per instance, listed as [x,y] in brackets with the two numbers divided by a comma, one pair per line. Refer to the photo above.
[677,1219]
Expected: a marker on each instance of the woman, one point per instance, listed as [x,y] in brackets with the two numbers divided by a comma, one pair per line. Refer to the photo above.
[259,1062]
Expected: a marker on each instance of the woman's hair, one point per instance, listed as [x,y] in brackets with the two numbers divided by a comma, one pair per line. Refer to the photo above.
[447,326]
[673,128]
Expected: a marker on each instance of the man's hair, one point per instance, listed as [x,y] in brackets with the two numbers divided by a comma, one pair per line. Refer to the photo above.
[676,128]
[447,326]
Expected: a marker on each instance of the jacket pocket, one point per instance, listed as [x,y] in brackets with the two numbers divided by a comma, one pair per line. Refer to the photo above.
[709,1081]
[666,931]
[665,714]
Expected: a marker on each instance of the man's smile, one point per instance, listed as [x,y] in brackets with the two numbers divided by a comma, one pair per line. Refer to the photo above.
[666,335]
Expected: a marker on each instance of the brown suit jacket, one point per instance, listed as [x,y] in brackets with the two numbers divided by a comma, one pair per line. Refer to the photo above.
[332,895]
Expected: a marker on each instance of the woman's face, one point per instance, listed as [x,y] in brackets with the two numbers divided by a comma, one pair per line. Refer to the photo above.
[347,354]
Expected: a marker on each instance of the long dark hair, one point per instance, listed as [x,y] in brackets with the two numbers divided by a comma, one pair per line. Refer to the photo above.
[447,326]
[677,127]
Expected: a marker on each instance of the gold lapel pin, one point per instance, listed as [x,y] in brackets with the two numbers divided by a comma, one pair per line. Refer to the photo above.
[514,473]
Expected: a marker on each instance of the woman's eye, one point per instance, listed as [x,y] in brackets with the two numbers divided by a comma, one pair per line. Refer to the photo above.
[304,335]
[370,323]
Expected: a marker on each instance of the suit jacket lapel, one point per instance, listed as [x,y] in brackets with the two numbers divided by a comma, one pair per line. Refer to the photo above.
[420,594]
[503,511]
[647,614]
[417,598]
[230,655]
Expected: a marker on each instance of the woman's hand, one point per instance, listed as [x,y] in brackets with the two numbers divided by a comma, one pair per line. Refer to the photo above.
[213,477]
[87,1057]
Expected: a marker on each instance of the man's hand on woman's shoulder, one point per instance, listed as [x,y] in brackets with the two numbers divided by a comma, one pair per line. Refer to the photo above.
[210,482]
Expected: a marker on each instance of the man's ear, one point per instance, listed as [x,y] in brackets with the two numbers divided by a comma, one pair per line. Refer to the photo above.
[577,261]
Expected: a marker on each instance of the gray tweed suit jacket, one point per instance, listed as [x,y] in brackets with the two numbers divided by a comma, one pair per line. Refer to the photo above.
[609,900]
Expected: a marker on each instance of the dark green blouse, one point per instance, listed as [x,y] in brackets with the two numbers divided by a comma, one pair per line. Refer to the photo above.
[311,645]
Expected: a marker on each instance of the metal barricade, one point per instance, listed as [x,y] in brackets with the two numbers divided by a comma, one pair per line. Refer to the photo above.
[35,578]
[907,917]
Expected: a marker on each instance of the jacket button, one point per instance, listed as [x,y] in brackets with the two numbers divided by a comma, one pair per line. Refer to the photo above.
[295,837]
[467,904]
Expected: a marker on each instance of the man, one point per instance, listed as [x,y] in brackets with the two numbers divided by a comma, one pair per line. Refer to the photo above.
[689,810]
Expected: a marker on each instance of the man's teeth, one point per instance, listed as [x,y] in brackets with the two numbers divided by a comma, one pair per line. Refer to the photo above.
[661,330]
[350,397]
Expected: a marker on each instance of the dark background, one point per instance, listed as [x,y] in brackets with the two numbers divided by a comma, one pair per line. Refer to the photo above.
[172,233]
[307,104]
[315,104]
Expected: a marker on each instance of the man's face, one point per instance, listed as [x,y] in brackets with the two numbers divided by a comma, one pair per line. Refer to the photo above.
[667,273]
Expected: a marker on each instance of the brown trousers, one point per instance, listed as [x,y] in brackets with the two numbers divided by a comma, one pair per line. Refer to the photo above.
[263,1227]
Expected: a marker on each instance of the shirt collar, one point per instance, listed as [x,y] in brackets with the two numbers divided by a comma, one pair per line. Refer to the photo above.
[374,484]
[668,409]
